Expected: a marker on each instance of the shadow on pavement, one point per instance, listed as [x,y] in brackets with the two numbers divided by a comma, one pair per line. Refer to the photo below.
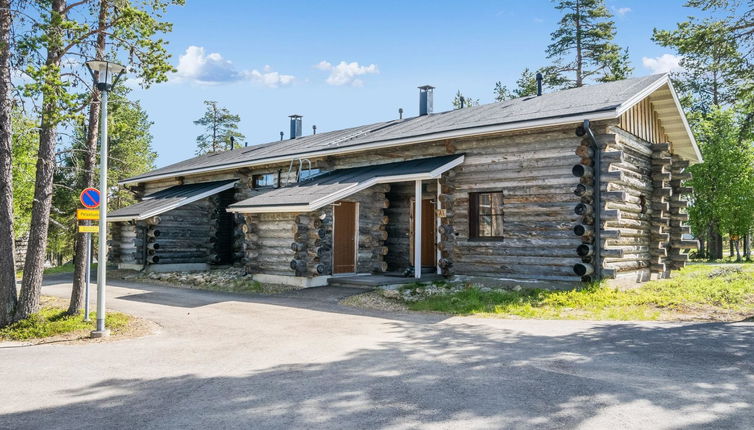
[454,376]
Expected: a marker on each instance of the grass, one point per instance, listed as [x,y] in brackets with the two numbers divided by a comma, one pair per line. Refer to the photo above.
[66,268]
[696,292]
[52,321]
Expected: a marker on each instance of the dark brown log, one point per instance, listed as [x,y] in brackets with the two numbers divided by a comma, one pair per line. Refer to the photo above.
[583,230]
[582,209]
[585,250]
[583,190]
[582,171]
[584,151]
[583,269]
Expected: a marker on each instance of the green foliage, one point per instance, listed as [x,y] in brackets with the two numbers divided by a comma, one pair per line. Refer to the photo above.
[219,126]
[130,153]
[723,185]
[695,290]
[130,144]
[25,138]
[53,321]
[582,46]
[526,85]
[66,268]
[713,67]
[459,101]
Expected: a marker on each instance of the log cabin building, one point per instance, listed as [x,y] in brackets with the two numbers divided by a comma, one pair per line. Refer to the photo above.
[552,189]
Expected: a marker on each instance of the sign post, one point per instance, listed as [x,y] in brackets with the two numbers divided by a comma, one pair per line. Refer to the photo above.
[90,198]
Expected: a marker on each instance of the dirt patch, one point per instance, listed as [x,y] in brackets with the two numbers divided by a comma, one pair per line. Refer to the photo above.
[374,301]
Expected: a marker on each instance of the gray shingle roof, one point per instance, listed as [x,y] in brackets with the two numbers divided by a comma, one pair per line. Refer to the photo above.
[562,104]
[167,199]
[341,182]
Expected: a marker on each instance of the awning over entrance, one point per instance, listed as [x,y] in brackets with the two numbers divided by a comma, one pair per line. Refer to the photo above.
[338,184]
[168,199]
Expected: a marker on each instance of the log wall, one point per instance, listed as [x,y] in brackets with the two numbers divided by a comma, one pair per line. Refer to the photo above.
[533,170]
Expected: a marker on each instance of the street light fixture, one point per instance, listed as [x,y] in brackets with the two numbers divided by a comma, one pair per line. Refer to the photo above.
[105,75]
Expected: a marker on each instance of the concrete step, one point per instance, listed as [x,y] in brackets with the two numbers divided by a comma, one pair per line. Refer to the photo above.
[372,281]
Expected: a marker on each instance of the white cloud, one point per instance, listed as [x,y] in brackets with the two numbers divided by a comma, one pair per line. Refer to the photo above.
[622,11]
[269,78]
[663,64]
[346,73]
[196,66]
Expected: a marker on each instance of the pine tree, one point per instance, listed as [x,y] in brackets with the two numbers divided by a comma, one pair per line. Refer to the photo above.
[459,101]
[51,49]
[219,127]
[582,47]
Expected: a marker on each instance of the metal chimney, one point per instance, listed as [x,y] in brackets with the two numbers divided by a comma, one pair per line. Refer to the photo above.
[425,99]
[539,84]
[295,126]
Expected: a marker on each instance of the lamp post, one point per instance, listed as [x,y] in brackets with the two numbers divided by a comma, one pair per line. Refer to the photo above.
[105,75]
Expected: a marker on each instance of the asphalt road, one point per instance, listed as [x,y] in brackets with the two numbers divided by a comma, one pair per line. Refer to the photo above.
[302,361]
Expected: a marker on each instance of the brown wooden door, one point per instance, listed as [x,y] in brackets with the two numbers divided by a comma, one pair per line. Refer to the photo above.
[428,233]
[344,238]
[429,255]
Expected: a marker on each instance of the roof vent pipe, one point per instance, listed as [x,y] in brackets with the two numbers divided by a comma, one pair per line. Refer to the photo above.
[232,143]
[539,84]
[400,113]
[425,99]
[295,126]
[281,135]
[314,129]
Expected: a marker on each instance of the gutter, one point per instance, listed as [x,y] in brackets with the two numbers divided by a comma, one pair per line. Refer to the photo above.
[597,190]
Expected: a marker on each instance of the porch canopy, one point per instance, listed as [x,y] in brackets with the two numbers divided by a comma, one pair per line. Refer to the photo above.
[169,199]
[336,185]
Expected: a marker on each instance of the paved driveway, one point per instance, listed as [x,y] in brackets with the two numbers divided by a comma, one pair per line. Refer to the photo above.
[302,361]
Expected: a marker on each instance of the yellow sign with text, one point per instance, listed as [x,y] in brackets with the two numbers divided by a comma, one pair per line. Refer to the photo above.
[88,229]
[87,214]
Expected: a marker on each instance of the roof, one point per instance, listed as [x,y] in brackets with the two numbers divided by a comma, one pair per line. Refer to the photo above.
[594,102]
[338,184]
[168,199]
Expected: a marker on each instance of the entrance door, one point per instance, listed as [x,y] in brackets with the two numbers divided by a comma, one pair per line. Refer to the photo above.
[428,233]
[344,237]
[429,250]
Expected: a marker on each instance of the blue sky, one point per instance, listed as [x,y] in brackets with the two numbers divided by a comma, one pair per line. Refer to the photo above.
[346,63]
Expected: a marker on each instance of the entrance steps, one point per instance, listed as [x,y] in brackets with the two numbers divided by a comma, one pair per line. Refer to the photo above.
[373,281]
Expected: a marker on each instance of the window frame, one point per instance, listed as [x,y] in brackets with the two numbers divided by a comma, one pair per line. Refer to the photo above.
[474,217]
[275,179]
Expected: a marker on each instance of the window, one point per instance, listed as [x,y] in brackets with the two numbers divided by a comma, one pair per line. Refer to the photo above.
[308,174]
[486,215]
[268,180]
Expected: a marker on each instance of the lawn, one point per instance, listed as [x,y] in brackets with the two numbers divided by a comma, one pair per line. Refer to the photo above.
[51,321]
[698,292]
[66,268]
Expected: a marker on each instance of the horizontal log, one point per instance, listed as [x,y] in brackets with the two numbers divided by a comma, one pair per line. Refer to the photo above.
[582,171]
[583,269]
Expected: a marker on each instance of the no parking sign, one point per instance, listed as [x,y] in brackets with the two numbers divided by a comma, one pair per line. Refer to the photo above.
[90,198]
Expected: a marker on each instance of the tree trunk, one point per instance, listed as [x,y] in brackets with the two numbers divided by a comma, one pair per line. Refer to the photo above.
[87,179]
[747,246]
[7,248]
[730,244]
[31,285]
[738,250]
[702,247]
[715,245]
[717,238]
